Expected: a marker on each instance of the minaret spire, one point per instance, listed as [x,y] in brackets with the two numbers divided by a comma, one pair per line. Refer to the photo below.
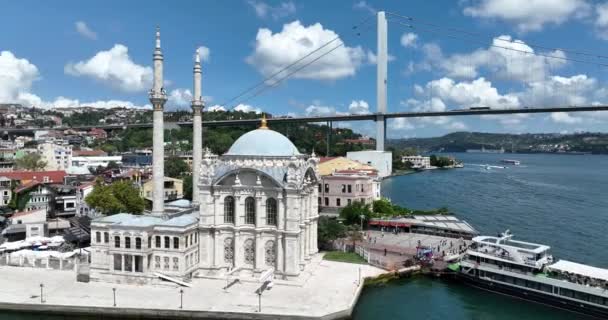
[158,97]
[197,129]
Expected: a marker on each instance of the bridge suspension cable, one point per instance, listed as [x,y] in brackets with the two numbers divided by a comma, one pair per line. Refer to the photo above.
[485,36]
[268,81]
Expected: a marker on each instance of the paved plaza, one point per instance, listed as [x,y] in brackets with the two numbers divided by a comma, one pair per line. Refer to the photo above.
[330,288]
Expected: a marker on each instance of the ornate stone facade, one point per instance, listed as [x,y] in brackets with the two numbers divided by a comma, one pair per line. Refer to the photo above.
[259,210]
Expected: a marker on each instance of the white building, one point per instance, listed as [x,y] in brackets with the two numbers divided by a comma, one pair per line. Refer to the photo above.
[258,210]
[92,162]
[418,162]
[380,160]
[56,156]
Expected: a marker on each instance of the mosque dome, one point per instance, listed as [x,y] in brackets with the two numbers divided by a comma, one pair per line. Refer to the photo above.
[263,142]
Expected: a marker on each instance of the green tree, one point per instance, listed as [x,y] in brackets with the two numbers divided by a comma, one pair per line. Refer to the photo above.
[112,165]
[351,214]
[117,197]
[383,207]
[175,167]
[30,162]
[188,187]
[329,230]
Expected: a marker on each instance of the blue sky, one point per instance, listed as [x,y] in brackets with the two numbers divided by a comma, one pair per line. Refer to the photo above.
[72,53]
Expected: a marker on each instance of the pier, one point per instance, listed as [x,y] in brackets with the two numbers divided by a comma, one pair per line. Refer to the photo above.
[310,298]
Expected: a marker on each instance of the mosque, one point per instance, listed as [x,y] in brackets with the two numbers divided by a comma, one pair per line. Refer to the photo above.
[254,208]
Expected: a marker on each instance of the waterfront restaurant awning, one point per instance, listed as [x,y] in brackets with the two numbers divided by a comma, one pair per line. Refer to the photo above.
[579,269]
[389,223]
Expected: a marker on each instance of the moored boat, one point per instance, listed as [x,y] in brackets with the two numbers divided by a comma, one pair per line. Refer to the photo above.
[527,270]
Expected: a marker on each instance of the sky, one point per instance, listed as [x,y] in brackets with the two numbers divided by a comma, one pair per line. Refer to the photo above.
[442,55]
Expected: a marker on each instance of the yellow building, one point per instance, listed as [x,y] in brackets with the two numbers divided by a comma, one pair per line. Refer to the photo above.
[330,165]
[174,189]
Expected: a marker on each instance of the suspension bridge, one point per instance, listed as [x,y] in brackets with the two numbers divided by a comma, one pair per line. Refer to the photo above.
[381,114]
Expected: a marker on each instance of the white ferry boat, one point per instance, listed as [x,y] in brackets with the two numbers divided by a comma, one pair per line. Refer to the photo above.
[527,270]
[510,161]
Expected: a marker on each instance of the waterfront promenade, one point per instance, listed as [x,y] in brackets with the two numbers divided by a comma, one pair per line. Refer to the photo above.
[313,298]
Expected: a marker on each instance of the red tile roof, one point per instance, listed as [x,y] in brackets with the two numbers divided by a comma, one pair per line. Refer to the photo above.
[89,153]
[24,213]
[53,176]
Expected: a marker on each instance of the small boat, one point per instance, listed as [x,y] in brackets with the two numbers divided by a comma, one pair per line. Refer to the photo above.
[509,161]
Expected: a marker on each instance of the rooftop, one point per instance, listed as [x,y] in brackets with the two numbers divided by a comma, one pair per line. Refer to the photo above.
[579,269]
[131,220]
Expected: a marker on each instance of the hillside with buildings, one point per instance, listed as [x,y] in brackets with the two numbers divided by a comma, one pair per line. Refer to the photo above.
[585,142]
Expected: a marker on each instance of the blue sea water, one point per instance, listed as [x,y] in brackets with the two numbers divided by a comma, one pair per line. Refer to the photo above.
[558,200]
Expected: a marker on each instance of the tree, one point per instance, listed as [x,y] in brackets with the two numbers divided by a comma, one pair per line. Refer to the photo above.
[117,197]
[175,167]
[30,162]
[351,214]
[188,187]
[329,230]
[383,207]
[112,165]
[354,235]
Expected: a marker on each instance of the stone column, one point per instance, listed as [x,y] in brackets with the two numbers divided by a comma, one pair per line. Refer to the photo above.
[237,249]
[197,130]
[239,210]
[217,261]
[280,255]
[259,252]
[259,210]
[280,213]
[158,98]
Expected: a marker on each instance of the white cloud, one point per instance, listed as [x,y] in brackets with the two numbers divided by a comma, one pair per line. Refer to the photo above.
[85,31]
[247,108]
[215,108]
[507,58]
[528,15]
[362,5]
[577,90]
[358,107]
[204,53]
[16,77]
[319,110]
[273,51]
[446,93]
[409,40]
[179,97]
[263,9]
[564,117]
[601,20]
[373,59]
[114,67]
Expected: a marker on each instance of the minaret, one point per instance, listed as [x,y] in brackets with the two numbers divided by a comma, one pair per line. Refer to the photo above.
[158,97]
[197,130]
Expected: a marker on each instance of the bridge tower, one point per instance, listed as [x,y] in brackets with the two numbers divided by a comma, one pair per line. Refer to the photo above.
[158,97]
[382,68]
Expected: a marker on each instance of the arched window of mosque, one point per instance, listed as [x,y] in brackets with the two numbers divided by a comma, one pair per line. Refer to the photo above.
[249,252]
[249,210]
[270,250]
[229,209]
[229,251]
[271,212]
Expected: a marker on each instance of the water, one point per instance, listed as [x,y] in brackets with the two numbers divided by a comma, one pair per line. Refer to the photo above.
[558,200]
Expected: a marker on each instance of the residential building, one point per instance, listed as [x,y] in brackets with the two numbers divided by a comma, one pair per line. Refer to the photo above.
[380,160]
[93,162]
[174,189]
[344,182]
[82,208]
[417,162]
[57,156]
[6,192]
